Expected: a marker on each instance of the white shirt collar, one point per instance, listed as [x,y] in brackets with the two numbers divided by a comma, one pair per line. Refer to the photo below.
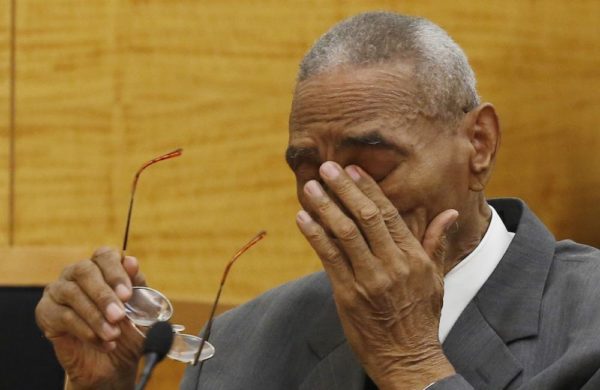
[463,282]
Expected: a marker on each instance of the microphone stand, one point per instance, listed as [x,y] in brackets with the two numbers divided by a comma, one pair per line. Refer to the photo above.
[158,343]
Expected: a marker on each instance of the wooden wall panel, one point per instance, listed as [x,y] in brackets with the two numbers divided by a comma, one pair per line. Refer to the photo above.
[103,86]
[65,133]
[4,117]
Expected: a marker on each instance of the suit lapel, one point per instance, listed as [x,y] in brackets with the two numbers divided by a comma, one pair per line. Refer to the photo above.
[507,308]
[478,353]
[511,299]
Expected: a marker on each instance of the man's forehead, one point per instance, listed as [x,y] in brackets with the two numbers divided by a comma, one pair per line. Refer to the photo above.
[369,132]
[372,79]
[368,127]
[350,96]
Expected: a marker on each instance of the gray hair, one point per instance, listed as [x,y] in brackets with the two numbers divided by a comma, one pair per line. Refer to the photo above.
[444,78]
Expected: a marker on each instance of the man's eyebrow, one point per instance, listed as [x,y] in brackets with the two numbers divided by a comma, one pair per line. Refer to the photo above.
[370,139]
[295,154]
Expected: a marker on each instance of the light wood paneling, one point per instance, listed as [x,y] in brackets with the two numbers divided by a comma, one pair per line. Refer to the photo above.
[64,138]
[103,86]
[36,266]
[4,117]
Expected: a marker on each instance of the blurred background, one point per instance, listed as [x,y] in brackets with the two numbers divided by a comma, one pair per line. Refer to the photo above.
[89,90]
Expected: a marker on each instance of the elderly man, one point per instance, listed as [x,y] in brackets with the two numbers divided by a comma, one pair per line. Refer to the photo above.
[426,284]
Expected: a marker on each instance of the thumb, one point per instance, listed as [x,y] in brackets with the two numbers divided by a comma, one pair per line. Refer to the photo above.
[434,240]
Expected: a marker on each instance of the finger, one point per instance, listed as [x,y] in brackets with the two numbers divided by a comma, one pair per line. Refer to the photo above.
[396,226]
[132,267]
[91,281]
[366,213]
[334,262]
[434,240]
[108,346]
[69,294]
[57,320]
[109,262]
[343,228]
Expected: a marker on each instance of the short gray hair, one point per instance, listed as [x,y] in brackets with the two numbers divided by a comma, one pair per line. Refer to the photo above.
[444,78]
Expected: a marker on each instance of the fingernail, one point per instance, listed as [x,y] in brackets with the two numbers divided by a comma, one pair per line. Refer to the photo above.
[122,291]
[313,188]
[114,312]
[451,222]
[303,217]
[131,260]
[110,331]
[353,172]
[329,170]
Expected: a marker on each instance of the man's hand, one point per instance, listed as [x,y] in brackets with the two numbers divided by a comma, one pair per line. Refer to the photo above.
[82,315]
[388,286]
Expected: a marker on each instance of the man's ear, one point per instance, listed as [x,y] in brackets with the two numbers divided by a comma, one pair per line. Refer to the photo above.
[483,130]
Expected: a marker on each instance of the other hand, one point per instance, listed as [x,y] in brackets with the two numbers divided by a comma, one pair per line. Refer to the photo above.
[82,315]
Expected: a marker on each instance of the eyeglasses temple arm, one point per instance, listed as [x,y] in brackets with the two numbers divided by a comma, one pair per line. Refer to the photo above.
[175,153]
[206,333]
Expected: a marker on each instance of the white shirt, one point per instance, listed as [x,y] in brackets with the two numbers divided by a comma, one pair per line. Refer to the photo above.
[463,282]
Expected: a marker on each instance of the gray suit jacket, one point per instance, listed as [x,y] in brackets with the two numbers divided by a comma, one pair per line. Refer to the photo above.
[535,324]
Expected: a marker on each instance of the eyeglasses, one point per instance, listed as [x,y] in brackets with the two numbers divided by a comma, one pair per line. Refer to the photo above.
[147,305]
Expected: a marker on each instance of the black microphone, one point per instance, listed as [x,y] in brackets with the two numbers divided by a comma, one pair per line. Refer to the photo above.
[158,343]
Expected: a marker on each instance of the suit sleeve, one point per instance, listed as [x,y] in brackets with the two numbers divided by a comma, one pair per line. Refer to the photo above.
[454,382]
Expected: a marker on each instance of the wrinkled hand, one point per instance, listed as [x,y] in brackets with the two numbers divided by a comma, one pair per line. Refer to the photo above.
[82,315]
[388,286]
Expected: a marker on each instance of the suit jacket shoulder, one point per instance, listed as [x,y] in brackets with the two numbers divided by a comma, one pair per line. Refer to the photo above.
[262,344]
[533,325]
